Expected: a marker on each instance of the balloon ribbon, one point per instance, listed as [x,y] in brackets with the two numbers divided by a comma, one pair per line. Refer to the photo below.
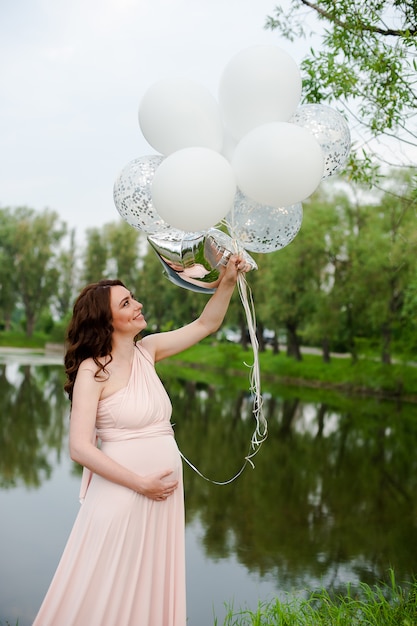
[261,430]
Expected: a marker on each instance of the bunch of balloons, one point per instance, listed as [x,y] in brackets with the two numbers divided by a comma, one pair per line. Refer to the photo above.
[247,159]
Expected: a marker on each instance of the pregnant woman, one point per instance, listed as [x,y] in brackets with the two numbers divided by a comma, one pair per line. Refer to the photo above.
[124,562]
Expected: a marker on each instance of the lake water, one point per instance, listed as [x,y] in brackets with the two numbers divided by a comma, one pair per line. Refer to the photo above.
[331,500]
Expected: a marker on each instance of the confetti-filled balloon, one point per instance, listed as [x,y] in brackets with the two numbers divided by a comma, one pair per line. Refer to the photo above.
[132,194]
[331,131]
[260,228]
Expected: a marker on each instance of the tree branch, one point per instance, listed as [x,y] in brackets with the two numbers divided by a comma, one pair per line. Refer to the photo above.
[386,32]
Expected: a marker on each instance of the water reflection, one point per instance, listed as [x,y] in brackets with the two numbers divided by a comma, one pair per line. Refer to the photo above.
[31,423]
[331,499]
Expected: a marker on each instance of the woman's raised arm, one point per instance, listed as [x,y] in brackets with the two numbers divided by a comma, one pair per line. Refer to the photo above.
[163,345]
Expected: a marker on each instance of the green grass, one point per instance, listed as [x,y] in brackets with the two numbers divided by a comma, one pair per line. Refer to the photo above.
[210,361]
[366,376]
[381,605]
[18,339]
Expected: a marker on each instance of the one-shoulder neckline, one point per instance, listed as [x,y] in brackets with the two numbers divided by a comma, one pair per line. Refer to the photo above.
[141,350]
[114,393]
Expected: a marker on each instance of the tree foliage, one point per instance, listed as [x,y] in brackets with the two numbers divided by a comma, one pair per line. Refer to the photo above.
[29,242]
[95,256]
[365,61]
[66,264]
[347,278]
[122,243]
[347,281]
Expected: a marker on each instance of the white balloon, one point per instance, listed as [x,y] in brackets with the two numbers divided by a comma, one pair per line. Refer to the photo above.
[330,129]
[194,188]
[278,164]
[229,145]
[179,113]
[260,84]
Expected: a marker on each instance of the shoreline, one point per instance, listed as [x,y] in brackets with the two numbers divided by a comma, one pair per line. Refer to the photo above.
[53,354]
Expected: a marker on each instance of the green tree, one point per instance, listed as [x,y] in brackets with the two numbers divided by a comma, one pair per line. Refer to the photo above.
[95,256]
[285,281]
[386,251]
[7,288]
[347,274]
[324,234]
[123,249]
[67,267]
[296,280]
[408,339]
[32,242]
[348,295]
[365,61]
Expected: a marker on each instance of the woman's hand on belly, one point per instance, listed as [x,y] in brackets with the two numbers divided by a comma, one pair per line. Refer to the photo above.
[156,486]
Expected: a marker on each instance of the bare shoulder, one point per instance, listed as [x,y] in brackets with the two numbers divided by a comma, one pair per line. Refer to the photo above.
[89,366]
[88,384]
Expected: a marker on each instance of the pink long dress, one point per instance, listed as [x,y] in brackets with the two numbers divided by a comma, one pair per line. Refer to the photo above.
[124,562]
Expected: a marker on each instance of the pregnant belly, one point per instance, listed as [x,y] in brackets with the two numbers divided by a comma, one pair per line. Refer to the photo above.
[147,455]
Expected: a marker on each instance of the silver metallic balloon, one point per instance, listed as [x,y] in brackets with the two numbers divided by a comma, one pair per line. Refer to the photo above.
[331,131]
[194,260]
[132,194]
[261,228]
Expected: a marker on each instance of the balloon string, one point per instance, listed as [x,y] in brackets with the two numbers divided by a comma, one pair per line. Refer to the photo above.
[261,431]
[246,297]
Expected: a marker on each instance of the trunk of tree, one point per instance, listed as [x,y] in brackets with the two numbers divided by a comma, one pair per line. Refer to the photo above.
[289,409]
[275,344]
[293,344]
[320,420]
[260,336]
[351,337]
[243,334]
[30,325]
[326,350]
[386,328]
[8,322]
[386,344]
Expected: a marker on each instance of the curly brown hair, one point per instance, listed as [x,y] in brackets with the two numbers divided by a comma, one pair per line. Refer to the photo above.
[90,330]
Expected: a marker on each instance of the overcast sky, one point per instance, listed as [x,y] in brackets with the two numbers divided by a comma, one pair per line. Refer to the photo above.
[73,74]
[72,77]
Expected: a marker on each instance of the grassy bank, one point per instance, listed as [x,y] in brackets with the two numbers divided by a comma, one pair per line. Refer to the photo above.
[382,605]
[212,362]
[367,376]
[16,339]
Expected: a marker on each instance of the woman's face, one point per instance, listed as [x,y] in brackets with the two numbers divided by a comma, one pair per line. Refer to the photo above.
[126,312]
